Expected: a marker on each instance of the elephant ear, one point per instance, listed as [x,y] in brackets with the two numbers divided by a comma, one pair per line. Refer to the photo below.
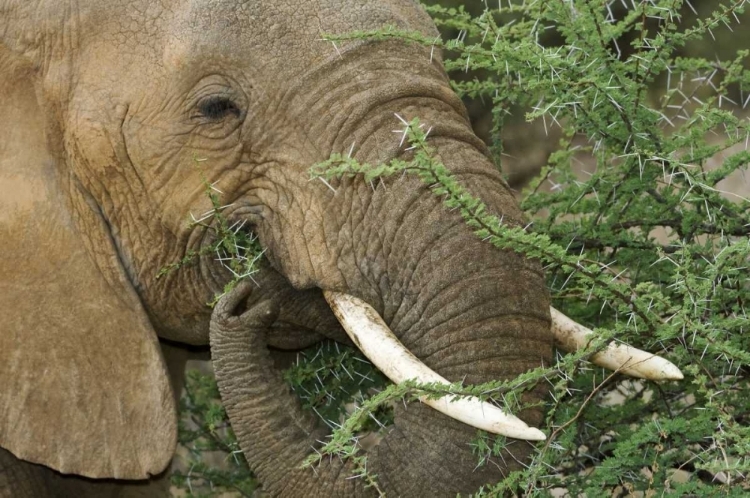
[83,386]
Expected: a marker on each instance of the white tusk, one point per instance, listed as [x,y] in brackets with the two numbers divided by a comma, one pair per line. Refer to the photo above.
[373,337]
[571,336]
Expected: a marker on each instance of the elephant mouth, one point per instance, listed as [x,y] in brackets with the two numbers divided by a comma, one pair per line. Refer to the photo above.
[227,236]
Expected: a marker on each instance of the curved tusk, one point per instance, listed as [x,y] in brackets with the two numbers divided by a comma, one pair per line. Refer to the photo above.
[373,337]
[571,336]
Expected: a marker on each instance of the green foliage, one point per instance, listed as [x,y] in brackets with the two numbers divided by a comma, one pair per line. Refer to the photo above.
[329,376]
[204,431]
[633,222]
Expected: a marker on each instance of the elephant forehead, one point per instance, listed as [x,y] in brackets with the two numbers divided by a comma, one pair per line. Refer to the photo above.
[280,35]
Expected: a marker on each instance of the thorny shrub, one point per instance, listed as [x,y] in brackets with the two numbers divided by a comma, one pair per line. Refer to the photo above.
[632,218]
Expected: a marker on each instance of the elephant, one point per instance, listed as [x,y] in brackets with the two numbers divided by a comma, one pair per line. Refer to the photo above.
[107,105]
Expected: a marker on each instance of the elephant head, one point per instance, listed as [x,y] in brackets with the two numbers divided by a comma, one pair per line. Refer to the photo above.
[106,106]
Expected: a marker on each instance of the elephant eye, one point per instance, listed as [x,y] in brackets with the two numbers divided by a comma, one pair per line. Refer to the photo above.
[217,108]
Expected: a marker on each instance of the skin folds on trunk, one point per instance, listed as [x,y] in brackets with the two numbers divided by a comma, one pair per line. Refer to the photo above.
[424,454]
[275,434]
[469,311]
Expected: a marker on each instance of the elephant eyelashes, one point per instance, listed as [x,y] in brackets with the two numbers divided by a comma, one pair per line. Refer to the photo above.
[217,108]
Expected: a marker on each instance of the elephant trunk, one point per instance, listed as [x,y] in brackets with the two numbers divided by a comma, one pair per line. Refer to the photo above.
[475,314]
[273,431]
[425,453]
[469,311]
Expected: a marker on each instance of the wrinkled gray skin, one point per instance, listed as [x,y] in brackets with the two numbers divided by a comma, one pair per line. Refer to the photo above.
[134,91]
